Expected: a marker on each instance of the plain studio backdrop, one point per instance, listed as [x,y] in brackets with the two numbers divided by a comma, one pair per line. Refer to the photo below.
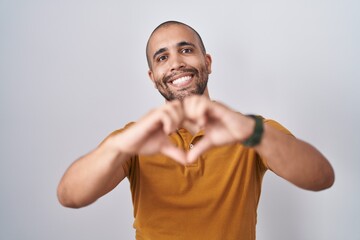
[73,71]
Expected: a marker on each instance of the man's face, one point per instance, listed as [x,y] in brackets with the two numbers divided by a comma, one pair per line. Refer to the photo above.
[179,68]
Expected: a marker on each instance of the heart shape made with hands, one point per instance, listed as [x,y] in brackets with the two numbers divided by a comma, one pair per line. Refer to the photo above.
[214,135]
[220,124]
[150,135]
[182,156]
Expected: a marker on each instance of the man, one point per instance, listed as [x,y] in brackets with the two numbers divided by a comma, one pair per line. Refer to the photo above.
[195,166]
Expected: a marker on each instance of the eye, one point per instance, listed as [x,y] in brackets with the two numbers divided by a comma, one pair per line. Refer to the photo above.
[162,58]
[186,50]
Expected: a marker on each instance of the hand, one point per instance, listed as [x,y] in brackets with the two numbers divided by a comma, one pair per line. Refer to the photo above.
[150,134]
[221,124]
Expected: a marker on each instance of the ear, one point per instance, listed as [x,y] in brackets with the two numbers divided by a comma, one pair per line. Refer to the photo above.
[208,62]
[151,76]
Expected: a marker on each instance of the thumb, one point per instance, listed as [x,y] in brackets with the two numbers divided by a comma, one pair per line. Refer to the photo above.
[173,152]
[199,148]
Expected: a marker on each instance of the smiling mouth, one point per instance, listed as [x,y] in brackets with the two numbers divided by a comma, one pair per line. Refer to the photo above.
[181,81]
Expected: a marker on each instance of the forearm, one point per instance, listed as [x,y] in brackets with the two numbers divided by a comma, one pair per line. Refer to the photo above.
[295,160]
[92,176]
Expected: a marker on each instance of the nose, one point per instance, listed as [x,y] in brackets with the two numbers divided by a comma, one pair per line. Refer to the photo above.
[177,62]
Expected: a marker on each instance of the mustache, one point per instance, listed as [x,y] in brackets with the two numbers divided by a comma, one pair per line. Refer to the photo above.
[193,71]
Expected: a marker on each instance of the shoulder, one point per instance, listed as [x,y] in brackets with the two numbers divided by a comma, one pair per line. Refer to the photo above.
[277,126]
[117,131]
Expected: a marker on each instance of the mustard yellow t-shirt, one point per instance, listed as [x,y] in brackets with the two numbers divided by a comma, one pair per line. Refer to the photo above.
[214,198]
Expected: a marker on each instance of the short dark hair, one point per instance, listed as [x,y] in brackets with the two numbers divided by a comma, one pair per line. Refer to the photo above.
[168,23]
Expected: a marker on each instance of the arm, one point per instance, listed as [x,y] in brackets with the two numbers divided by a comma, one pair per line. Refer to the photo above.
[92,176]
[98,172]
[295,160]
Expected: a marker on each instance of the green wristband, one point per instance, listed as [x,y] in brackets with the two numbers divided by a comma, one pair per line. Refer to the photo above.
[255,138]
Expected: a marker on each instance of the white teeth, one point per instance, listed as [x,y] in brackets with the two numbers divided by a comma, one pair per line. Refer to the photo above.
[181,80]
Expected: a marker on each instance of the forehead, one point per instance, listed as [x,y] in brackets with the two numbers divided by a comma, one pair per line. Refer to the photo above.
[169,36]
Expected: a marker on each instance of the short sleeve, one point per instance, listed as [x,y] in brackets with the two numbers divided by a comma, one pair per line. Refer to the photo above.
[127,164]
[279,127]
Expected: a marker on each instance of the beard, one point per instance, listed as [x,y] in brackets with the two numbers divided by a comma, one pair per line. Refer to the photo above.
[199,76]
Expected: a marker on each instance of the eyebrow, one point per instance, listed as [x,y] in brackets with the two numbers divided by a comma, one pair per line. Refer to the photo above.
[180,44]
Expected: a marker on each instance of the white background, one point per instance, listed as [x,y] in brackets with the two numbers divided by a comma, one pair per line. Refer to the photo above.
[73,71]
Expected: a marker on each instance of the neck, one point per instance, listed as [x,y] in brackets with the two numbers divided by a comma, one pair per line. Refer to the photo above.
[192,128]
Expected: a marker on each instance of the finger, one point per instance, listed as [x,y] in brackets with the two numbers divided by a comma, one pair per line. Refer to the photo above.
[173,116]
[177,111]
[216,111]
[167,122]
[222,113]
[173,152]
[200,147]
[195,108]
